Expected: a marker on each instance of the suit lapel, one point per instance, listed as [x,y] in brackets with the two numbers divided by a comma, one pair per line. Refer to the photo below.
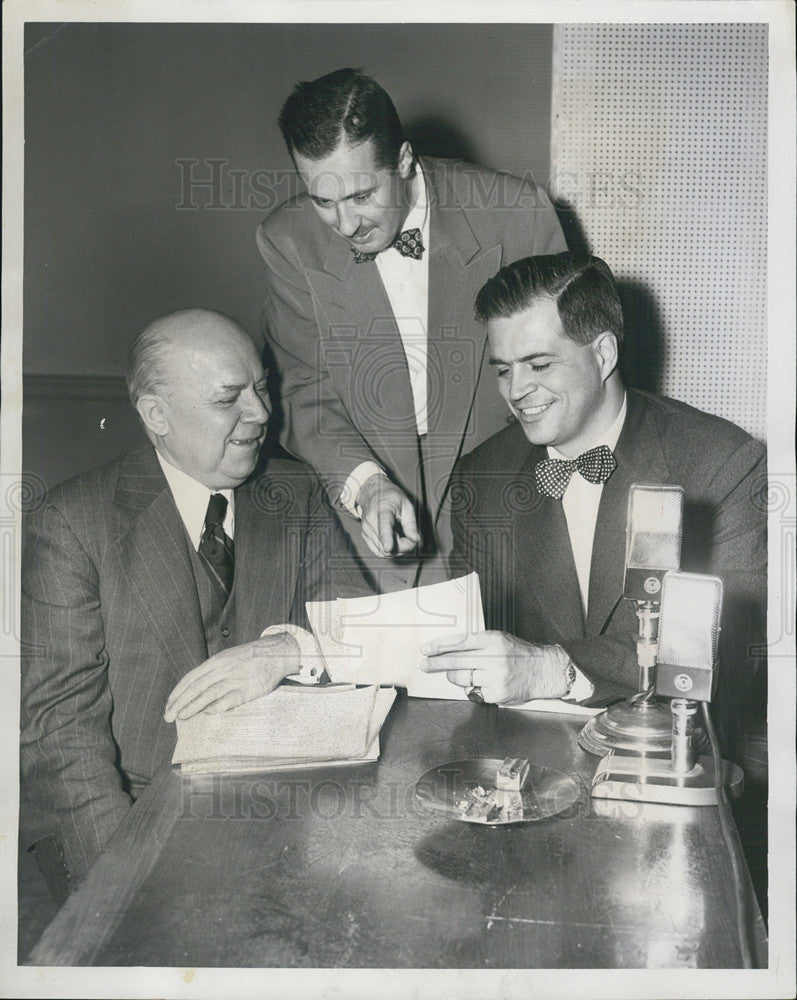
[364,340]
[639,460]
[458,265]
[266,560]
[364,345]
[153,552]
[545,558]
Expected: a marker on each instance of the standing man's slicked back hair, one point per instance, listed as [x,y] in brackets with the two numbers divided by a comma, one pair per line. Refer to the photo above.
[582,286]
[343,105]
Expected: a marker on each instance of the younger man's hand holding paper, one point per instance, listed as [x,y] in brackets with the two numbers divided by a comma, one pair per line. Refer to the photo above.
[508,670]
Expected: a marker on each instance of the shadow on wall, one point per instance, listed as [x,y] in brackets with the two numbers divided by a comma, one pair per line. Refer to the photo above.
[434,136]
[72,423]
[641,363]
[571,226]
[643,350]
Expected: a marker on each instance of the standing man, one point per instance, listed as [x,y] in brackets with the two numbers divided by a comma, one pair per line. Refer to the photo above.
[146,586]
[540,508]
[370,279]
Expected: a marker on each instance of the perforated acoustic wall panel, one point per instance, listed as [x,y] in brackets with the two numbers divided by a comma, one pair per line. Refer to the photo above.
[659,146]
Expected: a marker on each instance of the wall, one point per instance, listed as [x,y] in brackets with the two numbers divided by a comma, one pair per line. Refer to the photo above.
[111,240]
[660,144]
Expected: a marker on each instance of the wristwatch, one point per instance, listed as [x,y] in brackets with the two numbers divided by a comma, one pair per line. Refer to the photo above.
[570,679]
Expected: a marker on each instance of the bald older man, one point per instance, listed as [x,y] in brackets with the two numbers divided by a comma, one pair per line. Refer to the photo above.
[146,586]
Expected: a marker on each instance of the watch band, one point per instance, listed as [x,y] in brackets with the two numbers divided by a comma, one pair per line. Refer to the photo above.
[570,679]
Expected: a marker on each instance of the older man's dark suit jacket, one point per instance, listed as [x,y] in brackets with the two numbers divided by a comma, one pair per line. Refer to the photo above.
[517,541]
[112,620]
[345,383]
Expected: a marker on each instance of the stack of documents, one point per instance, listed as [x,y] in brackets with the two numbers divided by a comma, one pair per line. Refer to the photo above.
[369,646]
[293,726]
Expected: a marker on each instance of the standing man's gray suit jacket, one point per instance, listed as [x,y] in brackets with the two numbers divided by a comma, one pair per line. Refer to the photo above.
[345,386]
[112,621]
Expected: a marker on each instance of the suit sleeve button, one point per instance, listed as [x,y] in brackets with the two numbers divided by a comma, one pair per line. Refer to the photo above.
[225,632]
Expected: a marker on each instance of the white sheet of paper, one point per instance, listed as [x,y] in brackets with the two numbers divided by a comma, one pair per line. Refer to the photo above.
[556,706]
[344,664]
[382,635]
[377,639]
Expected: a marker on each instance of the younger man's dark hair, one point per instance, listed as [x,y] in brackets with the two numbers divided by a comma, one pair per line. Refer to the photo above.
[582,286]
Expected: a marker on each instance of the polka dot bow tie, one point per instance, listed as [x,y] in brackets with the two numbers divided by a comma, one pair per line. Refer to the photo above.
[552,475]
[408,244]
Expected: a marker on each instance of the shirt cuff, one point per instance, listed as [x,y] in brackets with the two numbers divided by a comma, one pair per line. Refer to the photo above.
[351,487]
[311,662]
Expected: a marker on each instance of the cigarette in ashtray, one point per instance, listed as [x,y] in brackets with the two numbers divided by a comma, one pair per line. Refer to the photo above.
[512,774]
[502,804]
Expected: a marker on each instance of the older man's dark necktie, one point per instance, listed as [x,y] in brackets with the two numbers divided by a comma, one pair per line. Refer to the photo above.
[408,244]
[216,548]
[553,475]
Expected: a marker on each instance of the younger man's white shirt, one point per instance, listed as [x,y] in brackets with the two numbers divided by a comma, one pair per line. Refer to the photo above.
[580,504]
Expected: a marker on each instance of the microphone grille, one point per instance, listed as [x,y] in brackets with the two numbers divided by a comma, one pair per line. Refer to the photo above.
[690,619]
[654,527]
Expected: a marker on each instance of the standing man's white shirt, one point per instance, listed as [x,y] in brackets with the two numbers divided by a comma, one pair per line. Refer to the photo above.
[406,283]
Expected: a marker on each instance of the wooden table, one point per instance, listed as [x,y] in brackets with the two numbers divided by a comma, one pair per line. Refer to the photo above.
[340,867]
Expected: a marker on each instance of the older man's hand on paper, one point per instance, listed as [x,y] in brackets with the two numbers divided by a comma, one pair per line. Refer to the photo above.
[234,676]
[508,670]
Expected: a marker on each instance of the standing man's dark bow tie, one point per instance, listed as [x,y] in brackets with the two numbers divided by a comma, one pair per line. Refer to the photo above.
[216,547]
[408,244]
[552,475]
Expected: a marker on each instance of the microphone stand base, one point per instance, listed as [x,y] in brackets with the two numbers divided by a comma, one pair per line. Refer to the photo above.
[639,725]
[652,779]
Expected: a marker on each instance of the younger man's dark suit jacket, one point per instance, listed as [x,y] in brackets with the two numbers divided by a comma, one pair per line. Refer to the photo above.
[517,541]
[112,621]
